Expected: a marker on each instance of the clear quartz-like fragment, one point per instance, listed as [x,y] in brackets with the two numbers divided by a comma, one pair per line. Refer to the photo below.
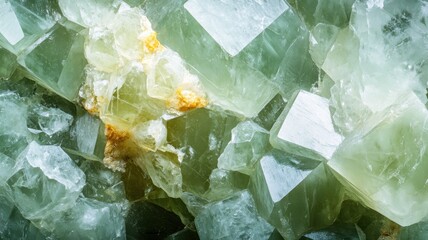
[294,195]
[384,164]
[163,168]
[202,135]
[10,27]
[56,61]
[45,181]
[232,218]
[89,219]
[235,24]
[305,128]
[24,21]
[90,12]
[245,83]
[248,144]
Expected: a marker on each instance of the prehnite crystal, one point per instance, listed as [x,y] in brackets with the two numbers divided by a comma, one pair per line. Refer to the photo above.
[217,119]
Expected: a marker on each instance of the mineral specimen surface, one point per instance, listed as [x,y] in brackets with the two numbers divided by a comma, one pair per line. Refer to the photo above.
[216,119]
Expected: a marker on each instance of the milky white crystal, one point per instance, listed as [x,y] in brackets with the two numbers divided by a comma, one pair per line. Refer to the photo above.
[234,24]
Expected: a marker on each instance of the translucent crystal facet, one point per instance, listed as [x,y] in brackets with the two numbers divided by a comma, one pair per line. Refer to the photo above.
[280,184]
[305,128]
[232,218]
[234,25]
[387,159]
[45,181]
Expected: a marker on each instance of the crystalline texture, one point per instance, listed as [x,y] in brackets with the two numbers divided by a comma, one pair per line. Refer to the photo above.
[305,128]
[248,144]
[8,64]
[202,134]
[56,61]
[90,219]
[233,218]
[235,24]
[10,27]
[385,164]
[293,195]
[88,13]
[45,181]
[24,21]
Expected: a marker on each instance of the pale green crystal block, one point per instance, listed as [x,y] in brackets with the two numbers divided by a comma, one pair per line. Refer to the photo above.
[248,144]
[384,164]
[233,218]
[23,22]
[45,180]
[51,121]
[56,61]
[233,25]
[89,219]
[163,168]
[372,62]
[295,196]
[87,136]
[273,57]
[8,64]
[322,39]
[89,13]
[202,135]
[305,128]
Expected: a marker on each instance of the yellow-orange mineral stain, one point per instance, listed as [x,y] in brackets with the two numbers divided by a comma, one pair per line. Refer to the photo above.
[187,100]
[151,43]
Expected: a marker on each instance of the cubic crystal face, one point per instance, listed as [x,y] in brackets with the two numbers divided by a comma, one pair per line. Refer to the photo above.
[235,24]
[216,119]
[387,159]
[305,128]
[281,182]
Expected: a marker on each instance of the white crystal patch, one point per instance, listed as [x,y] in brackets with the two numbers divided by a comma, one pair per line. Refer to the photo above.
[308,124]
[234,24]
[9,27]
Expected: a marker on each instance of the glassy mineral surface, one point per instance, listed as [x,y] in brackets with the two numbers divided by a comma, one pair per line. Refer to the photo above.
[216,119]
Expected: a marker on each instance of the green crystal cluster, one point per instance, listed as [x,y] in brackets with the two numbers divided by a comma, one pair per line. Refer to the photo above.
[214,119]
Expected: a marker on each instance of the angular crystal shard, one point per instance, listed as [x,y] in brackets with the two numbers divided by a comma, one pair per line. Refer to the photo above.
[294,195]
[248,144]
[10,27]
[235,24]
[57,61]
[385,163]
[244,83]
[23,22]
[305,128]
[202,135]
[90,219]
[233,218]
[45,181]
